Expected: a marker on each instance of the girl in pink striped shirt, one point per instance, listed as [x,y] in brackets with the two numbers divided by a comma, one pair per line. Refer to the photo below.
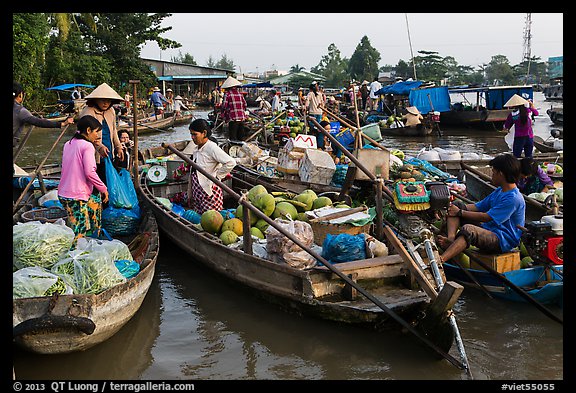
[79,178]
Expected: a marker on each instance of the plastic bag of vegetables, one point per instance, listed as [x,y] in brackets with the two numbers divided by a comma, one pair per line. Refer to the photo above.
[559,195]
[40,244]
[37,281]
[116,248]
[88,271]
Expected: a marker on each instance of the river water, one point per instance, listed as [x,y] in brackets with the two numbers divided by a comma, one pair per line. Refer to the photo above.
[194,325]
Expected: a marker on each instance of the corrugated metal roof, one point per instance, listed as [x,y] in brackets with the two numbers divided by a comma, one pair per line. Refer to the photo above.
[183,77]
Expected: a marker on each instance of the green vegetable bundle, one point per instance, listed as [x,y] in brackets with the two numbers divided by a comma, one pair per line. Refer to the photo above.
[37,281]
[88,271]
[39,244]
[116,248]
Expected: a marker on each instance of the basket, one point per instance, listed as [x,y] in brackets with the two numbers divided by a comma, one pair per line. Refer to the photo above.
[50,214]
[322,228]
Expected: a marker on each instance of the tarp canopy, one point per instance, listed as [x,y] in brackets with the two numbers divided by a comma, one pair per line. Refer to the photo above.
[400,88]
[495,96]
[68,86]
[261,84]
[438,95]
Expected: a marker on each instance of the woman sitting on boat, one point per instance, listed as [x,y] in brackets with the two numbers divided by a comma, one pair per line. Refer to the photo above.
[532,177]
[202,193]
[413,117]
[492,223]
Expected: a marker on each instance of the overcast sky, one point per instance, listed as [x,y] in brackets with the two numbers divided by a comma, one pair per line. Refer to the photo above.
[260,41]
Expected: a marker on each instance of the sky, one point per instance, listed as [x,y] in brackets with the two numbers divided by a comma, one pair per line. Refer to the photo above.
[257,42]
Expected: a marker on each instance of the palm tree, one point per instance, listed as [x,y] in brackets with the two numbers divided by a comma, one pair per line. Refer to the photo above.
[297,68]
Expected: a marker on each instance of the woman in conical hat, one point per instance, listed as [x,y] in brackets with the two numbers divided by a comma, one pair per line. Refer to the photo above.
[413,117]
[99,104]
[520,118]
[231,82]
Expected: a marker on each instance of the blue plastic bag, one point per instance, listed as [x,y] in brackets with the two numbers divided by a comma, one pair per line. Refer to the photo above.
[192,216]
[178,209]
[121,192]
[344,247]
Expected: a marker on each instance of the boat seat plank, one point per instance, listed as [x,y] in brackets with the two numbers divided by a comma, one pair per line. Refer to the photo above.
[347,267]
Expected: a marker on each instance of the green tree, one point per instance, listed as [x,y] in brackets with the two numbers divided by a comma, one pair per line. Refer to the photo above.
[185,59]
[431,67]
[403,69]
[30,37]
[333,67]
[225,63]
[297,68]
[363,63]
[499,71]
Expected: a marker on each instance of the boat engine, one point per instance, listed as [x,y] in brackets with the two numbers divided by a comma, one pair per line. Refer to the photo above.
[557,133]
[546,238]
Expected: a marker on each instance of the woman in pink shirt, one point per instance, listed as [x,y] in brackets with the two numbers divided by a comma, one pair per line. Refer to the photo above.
[520,118]
[80,186]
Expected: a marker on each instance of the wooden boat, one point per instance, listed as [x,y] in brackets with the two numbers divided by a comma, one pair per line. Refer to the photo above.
[68,323]
[548,146]
[148,126]
[314,291]
[184,118]
[556,115]
[543,284]
[419,130]
[488,110]
[478,187]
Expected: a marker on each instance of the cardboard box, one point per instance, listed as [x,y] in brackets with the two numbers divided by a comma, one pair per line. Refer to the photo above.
[317,167]
[289,161]
[377,161]
[500,262]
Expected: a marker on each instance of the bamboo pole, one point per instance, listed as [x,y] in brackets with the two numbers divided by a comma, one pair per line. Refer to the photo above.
[135,148]
[246,203]
[37,171]
[264,127]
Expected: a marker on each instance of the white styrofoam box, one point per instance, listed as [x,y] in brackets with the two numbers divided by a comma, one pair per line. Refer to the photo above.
[289,161]
[317,167]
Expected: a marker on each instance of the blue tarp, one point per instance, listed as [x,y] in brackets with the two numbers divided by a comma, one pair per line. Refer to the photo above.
[438,95]
[261,84]
[400,88]
[68,86]
[496,98]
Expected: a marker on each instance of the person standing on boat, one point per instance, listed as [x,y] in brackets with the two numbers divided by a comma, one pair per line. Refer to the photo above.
[202,193]
[492,223]
[178,106]
[315,108]
[234,109]
[127,146]
[532,177]
[373,97]
[364,94]
[157,99]
[22,116]
[79,180]
[520,118]
[275,104]
[99,104]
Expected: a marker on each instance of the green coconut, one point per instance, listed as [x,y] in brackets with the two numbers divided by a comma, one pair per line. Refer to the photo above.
[307,198]
[256,232]
[302,217]
[262,225]
[255,191]
[321,202]
[266,203]
[211,221]
[240,214]
[228,237]
[283,209]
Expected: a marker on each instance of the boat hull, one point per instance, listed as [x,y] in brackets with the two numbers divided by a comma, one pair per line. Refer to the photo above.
[531,279]
[70,323]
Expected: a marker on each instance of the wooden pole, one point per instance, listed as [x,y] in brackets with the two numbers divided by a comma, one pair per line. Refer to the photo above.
[37,171]
[318,257]
[263,127]
[135,148]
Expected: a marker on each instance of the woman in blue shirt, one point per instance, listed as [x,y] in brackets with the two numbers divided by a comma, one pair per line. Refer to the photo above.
[491,224]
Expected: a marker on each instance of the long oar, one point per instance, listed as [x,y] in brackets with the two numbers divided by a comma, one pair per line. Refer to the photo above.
[264,127]
[331,267]
[37,171]
[21,145]
[515,288]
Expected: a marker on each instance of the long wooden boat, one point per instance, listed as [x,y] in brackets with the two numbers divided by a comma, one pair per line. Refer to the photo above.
[546,146]
[542,283]
[150,125]
[478,187]
[419,130]
[314,291]
[556,115]
[68,323]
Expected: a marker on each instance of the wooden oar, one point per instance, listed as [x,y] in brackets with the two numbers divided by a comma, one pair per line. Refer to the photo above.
[263,127]
[16,206]
[515,288]
[318,257]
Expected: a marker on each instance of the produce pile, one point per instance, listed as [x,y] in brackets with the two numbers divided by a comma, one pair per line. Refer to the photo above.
[44,264]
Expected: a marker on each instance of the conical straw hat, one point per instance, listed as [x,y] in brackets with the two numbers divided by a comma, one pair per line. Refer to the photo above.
[104,91]
[231,82]
[515,100]
[413,110]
